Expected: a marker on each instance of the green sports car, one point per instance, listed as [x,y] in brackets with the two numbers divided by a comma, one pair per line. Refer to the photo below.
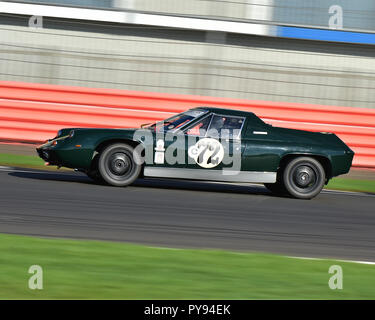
[207,144]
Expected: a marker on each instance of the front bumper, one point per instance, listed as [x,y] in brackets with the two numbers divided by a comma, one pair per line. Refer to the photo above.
[48,155]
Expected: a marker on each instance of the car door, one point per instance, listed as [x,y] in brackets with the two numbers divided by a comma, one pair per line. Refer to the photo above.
[214,144]
[169,140]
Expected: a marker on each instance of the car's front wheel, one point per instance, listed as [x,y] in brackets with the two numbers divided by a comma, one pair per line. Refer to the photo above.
[119,165]
[304,177]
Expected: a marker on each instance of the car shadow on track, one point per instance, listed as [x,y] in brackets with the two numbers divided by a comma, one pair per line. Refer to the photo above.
[148,183]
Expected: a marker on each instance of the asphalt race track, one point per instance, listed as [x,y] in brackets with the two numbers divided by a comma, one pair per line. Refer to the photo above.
[187,214]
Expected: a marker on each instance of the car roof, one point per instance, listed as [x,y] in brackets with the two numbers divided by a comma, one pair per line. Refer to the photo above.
[228,112]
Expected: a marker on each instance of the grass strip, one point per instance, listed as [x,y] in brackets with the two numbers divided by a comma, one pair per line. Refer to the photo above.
[352,185]
[23,161]
[81,269]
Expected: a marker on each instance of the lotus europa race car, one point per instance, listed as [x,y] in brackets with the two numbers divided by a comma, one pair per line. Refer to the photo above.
[207,144]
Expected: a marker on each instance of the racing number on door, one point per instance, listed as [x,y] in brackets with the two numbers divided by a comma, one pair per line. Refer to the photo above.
[207,152]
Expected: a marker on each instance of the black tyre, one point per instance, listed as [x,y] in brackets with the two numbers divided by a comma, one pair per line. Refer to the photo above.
[304,177]
[119,165]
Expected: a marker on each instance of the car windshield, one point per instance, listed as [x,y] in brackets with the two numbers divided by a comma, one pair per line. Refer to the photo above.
[178,121]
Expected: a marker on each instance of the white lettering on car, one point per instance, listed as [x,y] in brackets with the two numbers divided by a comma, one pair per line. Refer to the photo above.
[159,154]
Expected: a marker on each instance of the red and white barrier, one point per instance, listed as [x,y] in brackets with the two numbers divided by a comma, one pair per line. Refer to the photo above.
[35,112]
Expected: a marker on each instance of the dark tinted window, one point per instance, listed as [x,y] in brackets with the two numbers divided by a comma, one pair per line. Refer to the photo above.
[225,127]
[200,128]
[178,121]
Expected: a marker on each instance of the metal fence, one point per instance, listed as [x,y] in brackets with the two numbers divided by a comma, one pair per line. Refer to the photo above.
[187,62]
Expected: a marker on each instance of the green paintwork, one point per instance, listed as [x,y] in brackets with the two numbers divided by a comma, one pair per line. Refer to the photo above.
[260,152]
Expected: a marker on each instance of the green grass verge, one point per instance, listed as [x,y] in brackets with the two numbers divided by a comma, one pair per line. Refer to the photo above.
[37,163]
[76,269]
[352,185]
[23,161]
[16,160]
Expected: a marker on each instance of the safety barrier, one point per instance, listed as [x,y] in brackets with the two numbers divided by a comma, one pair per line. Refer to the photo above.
[33,113]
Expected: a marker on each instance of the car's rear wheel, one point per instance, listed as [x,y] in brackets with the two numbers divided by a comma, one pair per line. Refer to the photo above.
[119,165]
[304,177]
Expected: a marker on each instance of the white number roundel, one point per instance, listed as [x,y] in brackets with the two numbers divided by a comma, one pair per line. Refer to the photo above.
[207,152]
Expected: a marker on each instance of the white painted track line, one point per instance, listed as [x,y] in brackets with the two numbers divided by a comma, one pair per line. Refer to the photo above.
[327,259]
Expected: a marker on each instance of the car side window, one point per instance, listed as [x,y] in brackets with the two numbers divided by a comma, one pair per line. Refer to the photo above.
[225,126]
[200,128]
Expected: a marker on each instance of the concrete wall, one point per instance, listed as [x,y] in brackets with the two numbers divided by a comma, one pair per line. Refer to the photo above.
[187,62]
